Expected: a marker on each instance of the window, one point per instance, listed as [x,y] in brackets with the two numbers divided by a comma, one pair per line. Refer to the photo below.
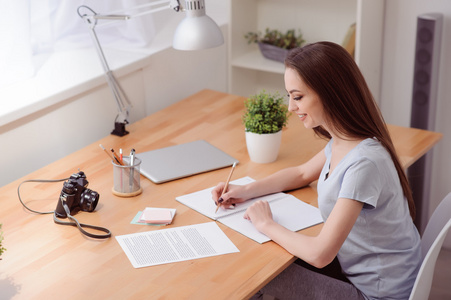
[33,30]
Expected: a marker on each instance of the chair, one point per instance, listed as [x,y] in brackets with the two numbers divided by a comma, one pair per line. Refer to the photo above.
[431,243]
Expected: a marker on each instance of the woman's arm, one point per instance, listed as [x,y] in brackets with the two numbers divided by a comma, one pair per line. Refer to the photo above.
[283,180]
[319,250]
[290,178]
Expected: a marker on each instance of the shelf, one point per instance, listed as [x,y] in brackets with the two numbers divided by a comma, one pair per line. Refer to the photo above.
[321,20]
[254,60]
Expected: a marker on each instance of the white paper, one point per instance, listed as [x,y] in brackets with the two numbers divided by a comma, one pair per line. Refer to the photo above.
[287,210]
[202,201]
[176,244]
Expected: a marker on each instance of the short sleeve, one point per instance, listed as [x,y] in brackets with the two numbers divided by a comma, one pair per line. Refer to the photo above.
[362,182]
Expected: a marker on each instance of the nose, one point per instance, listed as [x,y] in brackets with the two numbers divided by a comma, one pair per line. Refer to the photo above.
[292,105]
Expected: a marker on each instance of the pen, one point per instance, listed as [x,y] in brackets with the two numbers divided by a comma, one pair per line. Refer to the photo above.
[122,160]
[132,168]
[226,185]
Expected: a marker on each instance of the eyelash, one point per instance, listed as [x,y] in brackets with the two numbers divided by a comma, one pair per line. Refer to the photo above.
[295,98]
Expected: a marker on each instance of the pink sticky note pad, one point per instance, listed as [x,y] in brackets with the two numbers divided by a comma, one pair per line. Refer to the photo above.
[156,216]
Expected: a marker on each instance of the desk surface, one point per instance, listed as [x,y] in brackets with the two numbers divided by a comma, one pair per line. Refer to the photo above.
[47,260]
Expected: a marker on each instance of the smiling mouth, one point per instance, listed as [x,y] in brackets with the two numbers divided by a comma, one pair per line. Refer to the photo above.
[302,115]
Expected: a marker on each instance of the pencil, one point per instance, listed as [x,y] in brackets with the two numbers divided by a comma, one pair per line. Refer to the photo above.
[117,158]
[226,185]
[107,153]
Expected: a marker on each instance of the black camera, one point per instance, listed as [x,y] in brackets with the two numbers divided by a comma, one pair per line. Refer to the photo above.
[76,196]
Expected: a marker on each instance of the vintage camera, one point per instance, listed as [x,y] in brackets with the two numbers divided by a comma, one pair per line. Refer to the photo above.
[76,196]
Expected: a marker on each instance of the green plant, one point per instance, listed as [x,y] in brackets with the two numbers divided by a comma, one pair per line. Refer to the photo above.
[287,40]
[1,240]
[265,113]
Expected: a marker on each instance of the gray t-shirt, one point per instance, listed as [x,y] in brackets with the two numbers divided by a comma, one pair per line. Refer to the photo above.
[381,255]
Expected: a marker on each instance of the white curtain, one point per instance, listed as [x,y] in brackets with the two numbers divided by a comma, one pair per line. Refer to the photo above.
[15,48]
[30,30]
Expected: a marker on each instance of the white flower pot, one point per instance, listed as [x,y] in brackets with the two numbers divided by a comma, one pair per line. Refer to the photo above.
[263,148]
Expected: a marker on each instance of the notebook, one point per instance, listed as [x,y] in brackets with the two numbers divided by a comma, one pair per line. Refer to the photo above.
[182,160]
[287,210]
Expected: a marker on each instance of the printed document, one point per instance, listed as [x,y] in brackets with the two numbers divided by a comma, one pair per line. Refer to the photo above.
[287,210]
[176,244]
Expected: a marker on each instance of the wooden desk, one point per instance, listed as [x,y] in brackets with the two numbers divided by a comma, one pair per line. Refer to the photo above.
[44,260]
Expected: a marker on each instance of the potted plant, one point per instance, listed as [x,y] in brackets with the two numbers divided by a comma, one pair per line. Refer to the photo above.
[264,117]
[274,44]
[1,240]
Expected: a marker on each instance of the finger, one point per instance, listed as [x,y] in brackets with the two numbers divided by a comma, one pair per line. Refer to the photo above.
[216,192]
[226,199]
[219,201]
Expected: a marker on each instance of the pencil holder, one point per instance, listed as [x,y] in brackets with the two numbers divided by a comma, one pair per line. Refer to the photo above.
[127,178]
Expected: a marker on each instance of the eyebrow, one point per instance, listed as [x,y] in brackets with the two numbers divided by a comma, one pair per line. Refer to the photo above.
[293,91]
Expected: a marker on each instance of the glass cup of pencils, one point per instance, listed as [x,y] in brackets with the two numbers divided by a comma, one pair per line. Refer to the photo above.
[127,176]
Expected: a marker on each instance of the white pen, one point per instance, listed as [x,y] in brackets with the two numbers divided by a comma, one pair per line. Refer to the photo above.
[132,168]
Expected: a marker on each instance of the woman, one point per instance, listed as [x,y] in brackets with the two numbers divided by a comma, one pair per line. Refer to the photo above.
[363,193]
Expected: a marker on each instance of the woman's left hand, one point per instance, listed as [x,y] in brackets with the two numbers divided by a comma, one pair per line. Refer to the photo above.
[259,214]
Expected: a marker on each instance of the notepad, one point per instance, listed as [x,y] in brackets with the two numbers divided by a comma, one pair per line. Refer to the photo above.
[287,210]
[156,216]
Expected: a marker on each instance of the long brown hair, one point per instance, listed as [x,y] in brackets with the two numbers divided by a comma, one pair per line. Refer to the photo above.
[350,109]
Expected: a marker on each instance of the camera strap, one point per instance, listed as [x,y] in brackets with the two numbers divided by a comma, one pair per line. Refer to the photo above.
[80,225]
[66,208]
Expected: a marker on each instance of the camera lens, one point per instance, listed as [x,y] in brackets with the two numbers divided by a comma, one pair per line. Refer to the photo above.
[88,200]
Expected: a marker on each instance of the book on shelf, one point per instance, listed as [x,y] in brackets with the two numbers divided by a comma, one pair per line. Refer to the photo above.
[287,210]
[349,40]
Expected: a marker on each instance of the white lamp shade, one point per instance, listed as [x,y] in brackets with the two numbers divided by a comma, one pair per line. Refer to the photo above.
[197,32]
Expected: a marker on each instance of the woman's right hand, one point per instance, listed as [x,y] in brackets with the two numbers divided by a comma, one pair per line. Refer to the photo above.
[234,194]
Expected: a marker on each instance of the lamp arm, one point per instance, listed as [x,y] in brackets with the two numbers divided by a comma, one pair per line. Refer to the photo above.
[90,17]
[155,6]
[122,101]
[123,104]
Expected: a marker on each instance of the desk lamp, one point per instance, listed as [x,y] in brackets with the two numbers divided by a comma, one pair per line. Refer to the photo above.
[196,31]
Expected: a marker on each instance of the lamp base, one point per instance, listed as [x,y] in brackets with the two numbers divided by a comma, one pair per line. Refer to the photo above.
[119,129]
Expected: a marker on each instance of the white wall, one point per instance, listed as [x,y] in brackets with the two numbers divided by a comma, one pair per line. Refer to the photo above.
[174,75]
[397,80]
[47,135]
[52,133]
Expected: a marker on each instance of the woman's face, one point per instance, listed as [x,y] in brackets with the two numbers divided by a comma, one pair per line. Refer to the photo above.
[303,101]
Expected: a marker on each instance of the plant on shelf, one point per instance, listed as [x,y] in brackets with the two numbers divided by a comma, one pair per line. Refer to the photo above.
[274,44]
[287,40]
[1,240]
[264,117]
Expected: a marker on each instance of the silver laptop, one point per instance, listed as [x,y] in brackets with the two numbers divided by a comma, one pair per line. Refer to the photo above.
[182,160]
